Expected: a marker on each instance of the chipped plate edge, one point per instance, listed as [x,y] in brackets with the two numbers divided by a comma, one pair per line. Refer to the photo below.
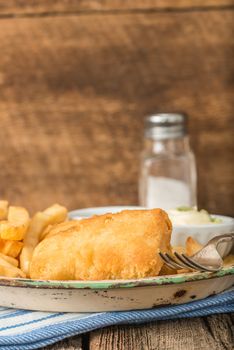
[111,284]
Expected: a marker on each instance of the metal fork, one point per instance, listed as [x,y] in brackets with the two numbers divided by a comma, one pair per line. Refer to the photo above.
[209,258]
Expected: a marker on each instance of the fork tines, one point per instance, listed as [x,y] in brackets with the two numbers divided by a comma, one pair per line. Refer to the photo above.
[181,261]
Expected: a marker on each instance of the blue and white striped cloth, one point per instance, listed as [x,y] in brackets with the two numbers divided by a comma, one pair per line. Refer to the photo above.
[26,330]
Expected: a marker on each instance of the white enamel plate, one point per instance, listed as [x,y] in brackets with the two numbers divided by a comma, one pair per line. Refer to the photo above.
[112,295]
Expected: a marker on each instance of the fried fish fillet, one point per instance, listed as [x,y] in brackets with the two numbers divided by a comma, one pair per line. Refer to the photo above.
[110,246]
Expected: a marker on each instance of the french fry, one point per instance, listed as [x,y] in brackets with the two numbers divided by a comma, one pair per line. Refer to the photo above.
[37,225]
[3,209]
[192,246]
[52,230]
[52,215]
[178,249]
[16,225]
[10,248]
[9,259]
[56,213]
[8,270]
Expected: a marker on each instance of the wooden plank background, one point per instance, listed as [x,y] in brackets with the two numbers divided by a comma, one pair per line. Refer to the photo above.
[35,7]
[75,87]
[77,79]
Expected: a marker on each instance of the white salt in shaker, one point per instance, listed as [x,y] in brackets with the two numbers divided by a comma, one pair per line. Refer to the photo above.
[168,169]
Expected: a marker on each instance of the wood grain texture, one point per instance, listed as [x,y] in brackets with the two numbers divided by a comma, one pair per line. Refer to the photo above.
[74,343]
[74,92]
[33,7]
[212,332]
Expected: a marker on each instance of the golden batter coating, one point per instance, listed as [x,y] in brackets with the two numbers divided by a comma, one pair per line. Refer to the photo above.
[110,246]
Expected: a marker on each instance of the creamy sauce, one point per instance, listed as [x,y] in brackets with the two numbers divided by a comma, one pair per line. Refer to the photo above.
[191,216]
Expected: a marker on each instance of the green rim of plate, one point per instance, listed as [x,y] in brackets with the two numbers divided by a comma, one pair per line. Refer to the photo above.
[111,284]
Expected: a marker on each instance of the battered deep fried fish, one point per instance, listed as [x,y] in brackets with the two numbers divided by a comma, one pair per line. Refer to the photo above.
[110,246]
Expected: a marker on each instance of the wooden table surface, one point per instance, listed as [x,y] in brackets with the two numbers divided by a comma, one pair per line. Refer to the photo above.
[214,332]
[77,79]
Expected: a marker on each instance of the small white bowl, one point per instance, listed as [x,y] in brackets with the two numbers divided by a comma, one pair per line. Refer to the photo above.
[203,232]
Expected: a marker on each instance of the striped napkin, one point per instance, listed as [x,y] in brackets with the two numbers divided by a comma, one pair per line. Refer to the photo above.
[26,330]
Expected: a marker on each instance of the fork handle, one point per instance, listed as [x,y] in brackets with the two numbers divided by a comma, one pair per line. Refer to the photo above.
[225,238]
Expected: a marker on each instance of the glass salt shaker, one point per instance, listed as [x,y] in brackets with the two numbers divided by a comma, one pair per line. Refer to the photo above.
[168,169]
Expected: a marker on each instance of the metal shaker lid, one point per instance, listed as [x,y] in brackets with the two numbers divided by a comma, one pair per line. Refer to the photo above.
[165,126]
